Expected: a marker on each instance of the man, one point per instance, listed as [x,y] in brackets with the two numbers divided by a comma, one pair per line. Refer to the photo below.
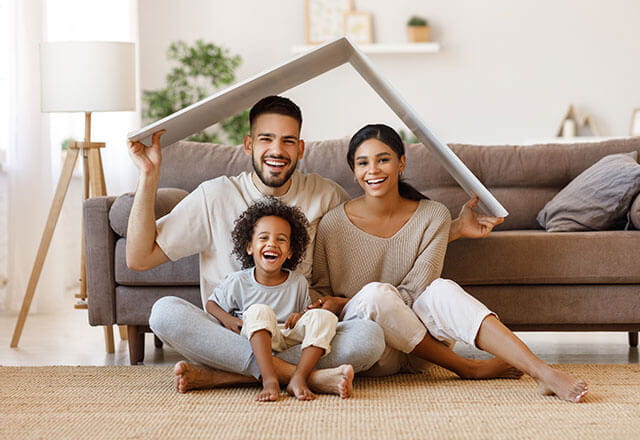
[202,223]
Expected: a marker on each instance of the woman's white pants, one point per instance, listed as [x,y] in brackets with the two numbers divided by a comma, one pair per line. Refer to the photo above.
[444,309]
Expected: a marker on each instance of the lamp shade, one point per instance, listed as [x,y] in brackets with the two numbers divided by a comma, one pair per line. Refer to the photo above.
[87,76]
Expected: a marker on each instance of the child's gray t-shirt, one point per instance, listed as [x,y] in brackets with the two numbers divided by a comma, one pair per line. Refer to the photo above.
[239,290]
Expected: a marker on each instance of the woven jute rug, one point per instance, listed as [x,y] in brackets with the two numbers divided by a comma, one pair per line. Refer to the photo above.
[140,402]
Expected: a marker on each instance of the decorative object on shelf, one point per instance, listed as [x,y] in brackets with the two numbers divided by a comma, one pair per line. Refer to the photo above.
[201,69]
[571,126]
[418,29]
[635,123]
[325,19]
[357,26]
[80,76]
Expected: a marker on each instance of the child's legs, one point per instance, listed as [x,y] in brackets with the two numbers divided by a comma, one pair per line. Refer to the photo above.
[261,317]
[260,327]
[315,331]
[316,327]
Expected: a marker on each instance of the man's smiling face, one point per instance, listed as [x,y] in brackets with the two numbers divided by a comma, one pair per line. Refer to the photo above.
[275,147]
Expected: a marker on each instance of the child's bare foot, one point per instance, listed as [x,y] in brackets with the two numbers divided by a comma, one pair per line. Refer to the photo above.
[337,380]
[563,385]
[494,368]
[298,387]
[270,391]
[194,377]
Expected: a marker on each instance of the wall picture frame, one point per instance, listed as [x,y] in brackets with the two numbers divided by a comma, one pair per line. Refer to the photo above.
[325,19]
[635,123]
[357,26]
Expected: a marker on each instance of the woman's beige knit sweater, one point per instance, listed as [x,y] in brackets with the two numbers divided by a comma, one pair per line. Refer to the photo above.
[347,258]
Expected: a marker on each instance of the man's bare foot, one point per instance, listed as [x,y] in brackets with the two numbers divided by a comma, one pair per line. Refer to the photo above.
[270,391]
[298,387]
[195,377]
[552,381]
[494,368]
[337,380]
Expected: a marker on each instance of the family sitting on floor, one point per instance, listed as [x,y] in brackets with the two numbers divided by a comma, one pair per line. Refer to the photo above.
[375,305]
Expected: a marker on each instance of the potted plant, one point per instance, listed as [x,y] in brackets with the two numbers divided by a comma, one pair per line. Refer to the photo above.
[418,29]
[200,70]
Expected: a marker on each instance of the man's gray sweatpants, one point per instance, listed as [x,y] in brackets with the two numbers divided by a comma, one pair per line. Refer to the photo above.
[201,338]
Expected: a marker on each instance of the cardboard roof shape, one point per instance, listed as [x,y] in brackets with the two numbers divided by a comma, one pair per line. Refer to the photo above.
[302,68]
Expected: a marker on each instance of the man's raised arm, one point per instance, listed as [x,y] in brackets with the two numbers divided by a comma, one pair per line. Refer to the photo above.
[142,250]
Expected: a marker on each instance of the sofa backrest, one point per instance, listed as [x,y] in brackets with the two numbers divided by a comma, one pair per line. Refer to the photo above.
[522,178]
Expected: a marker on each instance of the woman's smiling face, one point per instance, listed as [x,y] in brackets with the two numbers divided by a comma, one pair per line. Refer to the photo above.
[377,168]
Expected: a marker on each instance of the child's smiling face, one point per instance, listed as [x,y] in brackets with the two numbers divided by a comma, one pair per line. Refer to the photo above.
[270,244]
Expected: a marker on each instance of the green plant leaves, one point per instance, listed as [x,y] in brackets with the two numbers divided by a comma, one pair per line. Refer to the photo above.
[198,71]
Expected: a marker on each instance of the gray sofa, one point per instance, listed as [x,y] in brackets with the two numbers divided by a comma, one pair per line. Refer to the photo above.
[534,280]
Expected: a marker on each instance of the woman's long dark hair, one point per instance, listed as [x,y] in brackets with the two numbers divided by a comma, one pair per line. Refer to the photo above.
[389,137]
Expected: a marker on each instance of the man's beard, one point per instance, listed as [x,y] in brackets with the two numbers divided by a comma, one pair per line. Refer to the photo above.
[272,181]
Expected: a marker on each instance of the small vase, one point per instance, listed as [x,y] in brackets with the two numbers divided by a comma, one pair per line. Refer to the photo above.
[418,34]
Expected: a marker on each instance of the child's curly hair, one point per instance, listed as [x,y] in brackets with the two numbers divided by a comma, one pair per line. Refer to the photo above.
[270,206]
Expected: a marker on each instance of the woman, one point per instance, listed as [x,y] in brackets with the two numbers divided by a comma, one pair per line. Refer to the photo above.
[380,256]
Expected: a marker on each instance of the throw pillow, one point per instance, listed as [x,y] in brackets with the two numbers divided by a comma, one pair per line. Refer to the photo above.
[166,199]
[598,199]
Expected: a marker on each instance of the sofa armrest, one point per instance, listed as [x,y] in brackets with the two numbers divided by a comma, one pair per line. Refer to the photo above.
[99,256]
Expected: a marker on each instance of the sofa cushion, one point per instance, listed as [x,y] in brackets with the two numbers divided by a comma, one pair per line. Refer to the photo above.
[166,199]
[183,272]
[187,164]
[133,304]
[536,257]
[555,306]
[597,199]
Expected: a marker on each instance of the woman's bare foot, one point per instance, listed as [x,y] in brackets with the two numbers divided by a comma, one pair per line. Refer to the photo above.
[566,387]
[194,377]
[298,387]
[270,391]
[337,380]
[494,368]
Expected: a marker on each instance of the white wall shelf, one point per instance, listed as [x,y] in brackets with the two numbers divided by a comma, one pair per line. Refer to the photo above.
[385,48]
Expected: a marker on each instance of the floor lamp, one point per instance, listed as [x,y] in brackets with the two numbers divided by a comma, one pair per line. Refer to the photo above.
[80,76]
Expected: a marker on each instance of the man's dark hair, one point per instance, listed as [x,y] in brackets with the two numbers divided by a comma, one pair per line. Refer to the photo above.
[266,207]
[275,104]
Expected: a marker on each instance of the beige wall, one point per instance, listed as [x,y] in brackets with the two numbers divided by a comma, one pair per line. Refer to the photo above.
[506,73]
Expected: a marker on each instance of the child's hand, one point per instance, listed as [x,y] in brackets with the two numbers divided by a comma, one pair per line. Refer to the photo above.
[292,320]
[232,323]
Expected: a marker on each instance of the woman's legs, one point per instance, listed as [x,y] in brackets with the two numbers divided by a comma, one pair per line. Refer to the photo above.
[451,313]
[495,338]
[404,332]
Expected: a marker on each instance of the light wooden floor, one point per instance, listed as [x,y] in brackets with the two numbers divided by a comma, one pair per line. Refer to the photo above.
[65,338]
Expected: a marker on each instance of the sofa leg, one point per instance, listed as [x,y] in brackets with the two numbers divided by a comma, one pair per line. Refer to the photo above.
[135,335]
[633,339]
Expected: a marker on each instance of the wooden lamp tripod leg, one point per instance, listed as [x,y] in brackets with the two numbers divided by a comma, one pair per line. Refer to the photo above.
[45,241]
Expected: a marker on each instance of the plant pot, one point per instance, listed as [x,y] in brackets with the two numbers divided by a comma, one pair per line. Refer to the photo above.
[418,34]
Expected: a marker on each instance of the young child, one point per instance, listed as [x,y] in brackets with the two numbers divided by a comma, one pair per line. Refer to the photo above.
[266,300]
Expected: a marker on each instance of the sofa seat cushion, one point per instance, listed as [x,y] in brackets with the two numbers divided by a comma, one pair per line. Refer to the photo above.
[540,257]
[557,304]
[133,304]
[183,272]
